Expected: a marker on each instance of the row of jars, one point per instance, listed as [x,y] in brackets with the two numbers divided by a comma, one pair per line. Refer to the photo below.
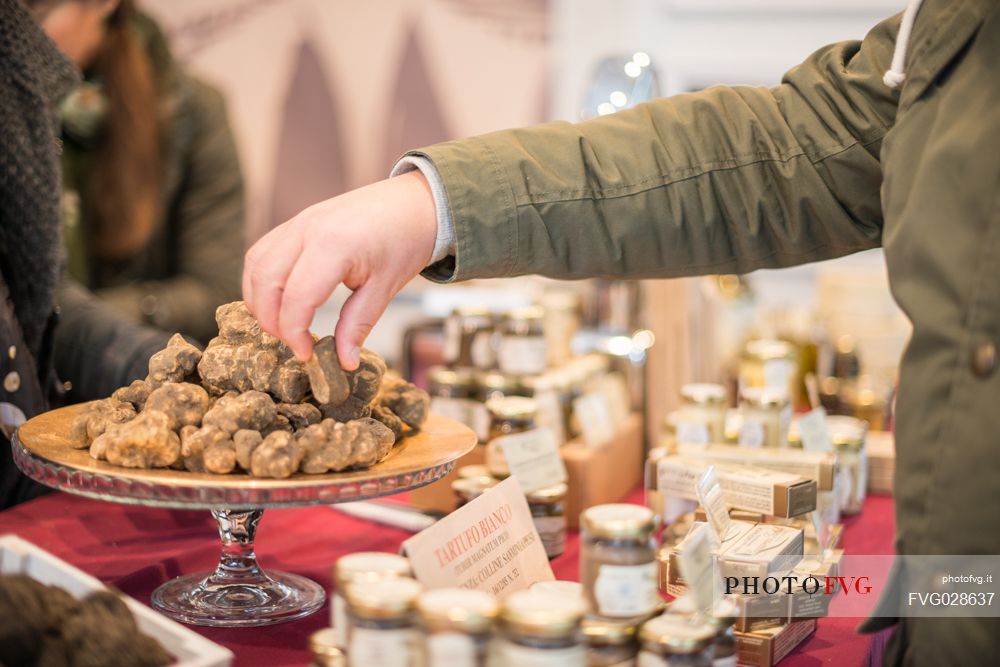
[382,617]
[523,341]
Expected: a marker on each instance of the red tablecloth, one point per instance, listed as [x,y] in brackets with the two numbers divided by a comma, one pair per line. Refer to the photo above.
[136,549]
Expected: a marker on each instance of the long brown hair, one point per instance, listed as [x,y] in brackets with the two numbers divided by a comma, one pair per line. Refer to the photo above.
[124,184]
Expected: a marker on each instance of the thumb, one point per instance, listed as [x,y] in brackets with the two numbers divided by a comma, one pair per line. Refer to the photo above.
[357,317]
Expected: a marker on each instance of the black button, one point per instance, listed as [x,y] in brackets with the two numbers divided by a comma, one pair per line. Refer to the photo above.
[984,359]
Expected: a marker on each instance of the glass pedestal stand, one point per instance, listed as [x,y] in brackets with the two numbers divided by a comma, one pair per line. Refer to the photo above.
[238,593]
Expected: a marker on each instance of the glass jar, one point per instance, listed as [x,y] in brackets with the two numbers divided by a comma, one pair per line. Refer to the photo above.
[508,416]
[766,416]
[548,512]
[701,418]
[848,435]
[560,324]
[324,651]
[768,364]
[671,640]
[722,619]
[473,470]
[610,643]
[551,400]
[467,489]
[494,384]
[457,624]
[382,628]
[469,338]
[522,342]
[540,629]
[618,560]
[367,566]
[453,393]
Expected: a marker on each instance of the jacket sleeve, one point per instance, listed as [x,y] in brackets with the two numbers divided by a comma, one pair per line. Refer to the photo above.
[726,180]
[206,223]
[98,349]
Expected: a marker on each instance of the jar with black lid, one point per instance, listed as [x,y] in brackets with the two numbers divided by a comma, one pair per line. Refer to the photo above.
[548,512]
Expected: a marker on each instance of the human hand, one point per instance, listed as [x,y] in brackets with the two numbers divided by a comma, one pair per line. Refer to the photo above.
[373,240]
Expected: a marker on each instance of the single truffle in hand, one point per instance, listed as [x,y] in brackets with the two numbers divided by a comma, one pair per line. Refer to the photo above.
[145,442]
[94,419]
[250,410]
[136,394]
[184,403]
[277,456]
[327,379]
[245,441]
[409,402]
[174,362]
[300,415]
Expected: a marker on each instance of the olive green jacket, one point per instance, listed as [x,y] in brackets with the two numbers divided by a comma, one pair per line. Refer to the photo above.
[192,263]
[829,162]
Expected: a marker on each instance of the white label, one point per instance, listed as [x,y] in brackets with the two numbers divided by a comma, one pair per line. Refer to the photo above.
[385,648]
[675,507]
[550,415]
[451,649]
[340,621]
[452,340]
[522,355]
[483,353]
[626,590]
[480,420]
[533,457]
[729,661]
[812,429]
[778,374]
[592,412]
[528,656]
[694,433]
[552,530]
[612,386]
[496,462]
[698,569]
[753,434]
[710,496]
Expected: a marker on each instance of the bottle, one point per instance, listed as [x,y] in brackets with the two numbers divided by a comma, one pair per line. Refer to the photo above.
[457,624]
[618,561]
[382,630]
[540,629]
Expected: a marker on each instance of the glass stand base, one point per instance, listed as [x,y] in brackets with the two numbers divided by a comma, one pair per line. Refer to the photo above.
[276,597]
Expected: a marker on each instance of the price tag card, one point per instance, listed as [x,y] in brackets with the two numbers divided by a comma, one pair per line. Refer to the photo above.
[592,412]
[697,565]
[489,544]
[710,496]
[812,429]
[533,457]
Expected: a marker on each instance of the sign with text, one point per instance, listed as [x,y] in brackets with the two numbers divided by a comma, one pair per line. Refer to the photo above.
[490,545]
[533,457]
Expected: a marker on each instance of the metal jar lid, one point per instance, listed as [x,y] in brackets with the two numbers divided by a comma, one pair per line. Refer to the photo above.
[518,408]
[443,376]
[370,565]
[724,614]
[383,598]
[847,432]
[550,495]
[473,470]
[470,488]
[324,649]
[765,349]
[457,610]
[494,381]
[677,635]
[618,521]
[764,397]
[607,632]
[541,614]
[704,393]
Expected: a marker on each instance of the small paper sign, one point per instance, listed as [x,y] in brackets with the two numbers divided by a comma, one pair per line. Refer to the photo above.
[710,496]
[489,544]
[697,566]
[812,429]
[533,457]
[592,412]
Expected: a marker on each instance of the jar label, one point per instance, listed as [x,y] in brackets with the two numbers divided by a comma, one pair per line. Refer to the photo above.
[694,433]
[385,648]
[529,656]
[533,458]
[338,607]
[626,590]
[550,414]
[753,434]
[480,420]
[482,351]
[552,530]
[451,649]
[463,410]
[523,355]
[778,374]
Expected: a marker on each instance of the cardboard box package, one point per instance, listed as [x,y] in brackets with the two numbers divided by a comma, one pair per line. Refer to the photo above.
[764,648]
[763,550]
[881,446]
[820,466]
[744,487]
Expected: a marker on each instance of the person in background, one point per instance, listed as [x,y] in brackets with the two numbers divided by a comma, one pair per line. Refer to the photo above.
[110,349]
[153,196]
[890,141]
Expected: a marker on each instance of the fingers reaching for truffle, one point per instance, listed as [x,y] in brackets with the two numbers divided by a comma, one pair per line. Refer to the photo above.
[374,240]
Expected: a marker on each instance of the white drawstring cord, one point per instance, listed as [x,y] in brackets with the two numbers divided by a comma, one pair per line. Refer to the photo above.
[897,70]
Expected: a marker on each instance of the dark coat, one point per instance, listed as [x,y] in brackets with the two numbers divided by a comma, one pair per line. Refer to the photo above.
[33,76]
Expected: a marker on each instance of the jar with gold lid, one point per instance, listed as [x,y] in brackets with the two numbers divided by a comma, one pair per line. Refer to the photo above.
[360,566]
[768,363]
[467,489]
[494,384]
[469,338]
[723,617]
[548,512]
[453,394]
[540,629]
[508,416]
[382,628]
[848,435]
[324,651]
[618,560]
[670,640]
[457,624]
[522,342]
[610,643]
[701,418]
[766,414]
